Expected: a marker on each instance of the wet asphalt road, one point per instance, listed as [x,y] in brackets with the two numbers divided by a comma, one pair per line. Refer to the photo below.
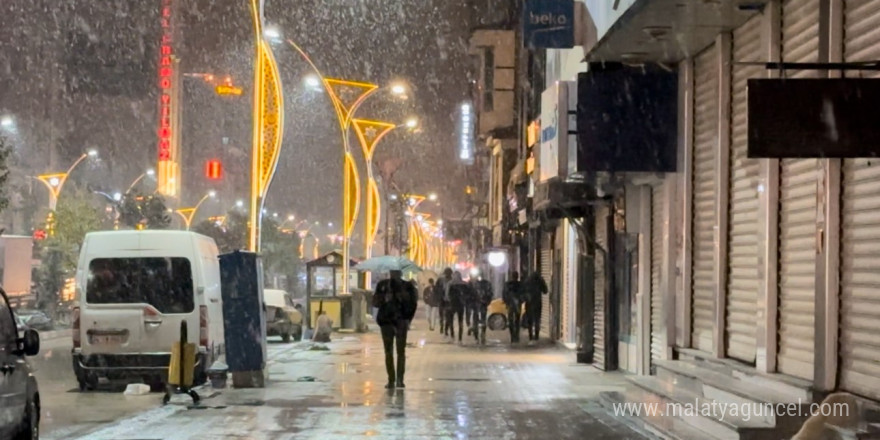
[492,392]
[68,412]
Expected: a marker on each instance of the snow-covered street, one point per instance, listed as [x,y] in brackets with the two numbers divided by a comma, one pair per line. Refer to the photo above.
[452,392]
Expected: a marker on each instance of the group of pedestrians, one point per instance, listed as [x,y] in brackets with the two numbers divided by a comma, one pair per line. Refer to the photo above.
[450,299]
[524,304]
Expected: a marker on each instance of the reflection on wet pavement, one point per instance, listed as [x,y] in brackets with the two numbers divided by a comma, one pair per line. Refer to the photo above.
[452,392]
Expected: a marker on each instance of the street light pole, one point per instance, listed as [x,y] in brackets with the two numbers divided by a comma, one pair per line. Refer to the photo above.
[55,182]
[189,213]
[134,183]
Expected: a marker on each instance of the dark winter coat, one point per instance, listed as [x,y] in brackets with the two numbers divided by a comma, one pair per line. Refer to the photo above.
[431,296]
[513,294]
[485,295]
[396,300]
[535,286]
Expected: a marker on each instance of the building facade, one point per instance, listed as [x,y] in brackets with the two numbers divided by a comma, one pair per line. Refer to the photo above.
[710,257]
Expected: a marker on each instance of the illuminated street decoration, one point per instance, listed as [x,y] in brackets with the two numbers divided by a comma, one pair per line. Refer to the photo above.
[268,125]
[352,194]
[369,134]
[227,90]
[346,97]
[168,130]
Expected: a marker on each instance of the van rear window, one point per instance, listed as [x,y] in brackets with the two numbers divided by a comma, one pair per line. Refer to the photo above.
[164,283]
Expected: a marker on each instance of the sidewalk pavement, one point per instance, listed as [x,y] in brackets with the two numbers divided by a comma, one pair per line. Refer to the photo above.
[452,391]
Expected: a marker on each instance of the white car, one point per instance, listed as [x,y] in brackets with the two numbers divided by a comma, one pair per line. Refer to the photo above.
[134,289]
[282,317]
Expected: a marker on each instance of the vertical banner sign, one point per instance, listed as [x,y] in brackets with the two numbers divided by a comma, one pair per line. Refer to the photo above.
[167,101]
[548,24]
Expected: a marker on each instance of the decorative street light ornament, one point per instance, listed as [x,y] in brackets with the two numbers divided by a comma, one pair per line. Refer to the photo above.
[268,124]
[227,90]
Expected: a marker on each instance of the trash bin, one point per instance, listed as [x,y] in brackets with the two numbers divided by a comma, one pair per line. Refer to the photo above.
[244,318]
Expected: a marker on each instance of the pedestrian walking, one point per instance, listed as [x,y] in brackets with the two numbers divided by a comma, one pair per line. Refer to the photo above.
[441,294]
[432,302]
[484,296]
[397,301]
[471,304]
[535,287]
[513,299]
[456,291]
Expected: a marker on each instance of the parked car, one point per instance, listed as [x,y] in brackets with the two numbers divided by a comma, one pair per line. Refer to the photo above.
[20,408]
[20,323]
[35,319]
[137,288]
[496,315]
[283,318]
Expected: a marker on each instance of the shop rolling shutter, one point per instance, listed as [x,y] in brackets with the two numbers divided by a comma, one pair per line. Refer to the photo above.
[742,279]
[797,213]
[704,175]
[547,273]
[599,310]
[860,232]
[658,329]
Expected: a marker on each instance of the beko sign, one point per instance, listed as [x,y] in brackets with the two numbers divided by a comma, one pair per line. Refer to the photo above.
[556,125]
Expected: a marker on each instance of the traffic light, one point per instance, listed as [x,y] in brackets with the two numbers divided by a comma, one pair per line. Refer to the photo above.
[40,234]
[214,169]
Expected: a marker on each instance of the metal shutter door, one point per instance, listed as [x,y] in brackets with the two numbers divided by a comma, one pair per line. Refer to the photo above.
[704,175]
[599,310]
[797,213]
[742,279]
[860,232]
[547,273]
[658,329]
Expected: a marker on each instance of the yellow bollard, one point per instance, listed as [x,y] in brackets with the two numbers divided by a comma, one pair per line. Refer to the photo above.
[189,362]
[181,367]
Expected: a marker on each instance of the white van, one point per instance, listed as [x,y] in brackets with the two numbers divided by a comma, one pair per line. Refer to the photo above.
[134,288]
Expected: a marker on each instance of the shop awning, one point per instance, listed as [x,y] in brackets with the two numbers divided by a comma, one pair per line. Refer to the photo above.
[670,30]
[555,198]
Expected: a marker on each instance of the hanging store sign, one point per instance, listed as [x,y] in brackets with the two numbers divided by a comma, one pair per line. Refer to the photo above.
[533,133]
[557,122]
[548,24]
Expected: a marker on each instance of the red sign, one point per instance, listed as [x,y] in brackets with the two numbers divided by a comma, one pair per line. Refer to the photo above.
[214,169]
[166,72]
[40,234]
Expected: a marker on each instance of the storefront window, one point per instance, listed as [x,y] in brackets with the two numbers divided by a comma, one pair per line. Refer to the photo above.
[322,282]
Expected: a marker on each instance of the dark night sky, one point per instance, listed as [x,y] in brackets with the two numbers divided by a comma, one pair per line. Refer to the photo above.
[421,42]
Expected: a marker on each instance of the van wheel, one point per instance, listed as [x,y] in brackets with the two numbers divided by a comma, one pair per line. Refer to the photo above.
[285,337]
[88,383]
[298,335]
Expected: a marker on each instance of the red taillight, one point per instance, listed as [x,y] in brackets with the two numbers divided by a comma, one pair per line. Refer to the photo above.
[203,326]
[77,337]
[150,311]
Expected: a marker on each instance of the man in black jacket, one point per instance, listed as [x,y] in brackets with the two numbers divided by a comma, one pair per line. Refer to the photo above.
[513,299]
[535,287]
[396,300]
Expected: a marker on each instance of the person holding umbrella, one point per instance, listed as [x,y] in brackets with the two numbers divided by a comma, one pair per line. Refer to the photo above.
[397,301]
